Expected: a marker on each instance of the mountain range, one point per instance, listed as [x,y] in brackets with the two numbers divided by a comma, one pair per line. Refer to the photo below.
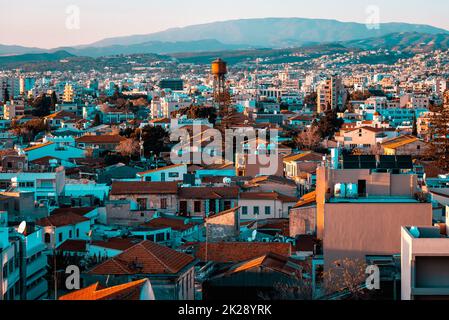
[275,33]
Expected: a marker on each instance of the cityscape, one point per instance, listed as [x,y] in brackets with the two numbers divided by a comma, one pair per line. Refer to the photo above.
[248,159]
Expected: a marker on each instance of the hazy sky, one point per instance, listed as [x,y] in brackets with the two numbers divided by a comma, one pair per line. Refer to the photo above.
[43,23]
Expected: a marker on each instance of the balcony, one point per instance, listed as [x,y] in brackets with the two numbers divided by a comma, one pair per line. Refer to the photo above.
[38,291]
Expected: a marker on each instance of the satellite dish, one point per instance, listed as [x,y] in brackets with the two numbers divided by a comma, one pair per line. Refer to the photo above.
[22,227]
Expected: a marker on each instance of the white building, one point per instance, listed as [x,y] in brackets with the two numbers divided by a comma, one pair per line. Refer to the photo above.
[424,264]
[47,186]
[164,174]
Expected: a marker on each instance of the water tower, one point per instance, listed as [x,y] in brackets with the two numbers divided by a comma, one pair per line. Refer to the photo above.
[219,70]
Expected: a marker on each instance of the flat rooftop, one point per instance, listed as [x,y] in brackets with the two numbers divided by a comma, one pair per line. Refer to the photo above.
[375,199]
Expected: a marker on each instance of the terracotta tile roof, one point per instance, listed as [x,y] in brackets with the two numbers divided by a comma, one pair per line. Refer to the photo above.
[307,156]
[209,193]
[61,219]
[306,200]
[219,214]
[267,196]
[79,211]
[274,179]
[225,252]
[44,160]
[176,224]
[270,261]
[161,169]
[399,142]
[112,139]
[144,258]
[161,120]
[61,115]
[73,246]
[143,187]
[372,129]
[283,225]
[38,146]
[128,291]
[117,243]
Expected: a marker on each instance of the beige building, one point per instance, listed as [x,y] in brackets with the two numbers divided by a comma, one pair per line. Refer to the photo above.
[364,137]
[424,264]
[362,205]
[405,145]
[331,94]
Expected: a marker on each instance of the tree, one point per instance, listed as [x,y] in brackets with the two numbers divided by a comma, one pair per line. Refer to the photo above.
[41,106]
[198,112]
[54,100]
[154,139]
[346,276]
[30,129]
[128,148]
[439,135]
[308,139]
[311,99]
[329,124]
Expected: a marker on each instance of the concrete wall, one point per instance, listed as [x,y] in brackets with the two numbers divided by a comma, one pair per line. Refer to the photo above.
[354,230]
[225,227]
[302,221]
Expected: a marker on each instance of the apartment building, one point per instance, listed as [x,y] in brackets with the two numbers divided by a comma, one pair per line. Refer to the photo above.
[46,186]
[331,94]
[424,263]
[362,203]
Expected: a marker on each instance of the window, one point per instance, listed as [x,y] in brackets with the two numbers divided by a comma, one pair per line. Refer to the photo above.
[163,203]
[70,234]
[148,179]
[160,237]
[77,233]
[173,174]
[197,206]
[244,210]
[142,203]
[60,237]
[267,210]
[256,211]
[47,238]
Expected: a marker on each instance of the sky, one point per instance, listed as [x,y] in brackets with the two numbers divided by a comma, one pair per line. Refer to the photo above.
[55,23]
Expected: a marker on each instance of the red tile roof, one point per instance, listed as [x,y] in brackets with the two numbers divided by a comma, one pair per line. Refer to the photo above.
[239,251]
[128,291]
[176,224]
[61,219]
[101,139]
[117,243]
[82,211]
[267,196]
[73,246]
[144,258]
[142,187]
[209,193]
[161,169]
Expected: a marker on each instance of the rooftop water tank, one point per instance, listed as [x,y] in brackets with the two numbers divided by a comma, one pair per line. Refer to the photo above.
[340,190]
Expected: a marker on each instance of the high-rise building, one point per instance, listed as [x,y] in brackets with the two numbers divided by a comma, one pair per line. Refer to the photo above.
[331,95]
[26,84]
[11,86]
[69,95]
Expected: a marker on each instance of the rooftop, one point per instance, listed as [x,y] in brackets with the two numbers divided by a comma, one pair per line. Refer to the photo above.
[375,199]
